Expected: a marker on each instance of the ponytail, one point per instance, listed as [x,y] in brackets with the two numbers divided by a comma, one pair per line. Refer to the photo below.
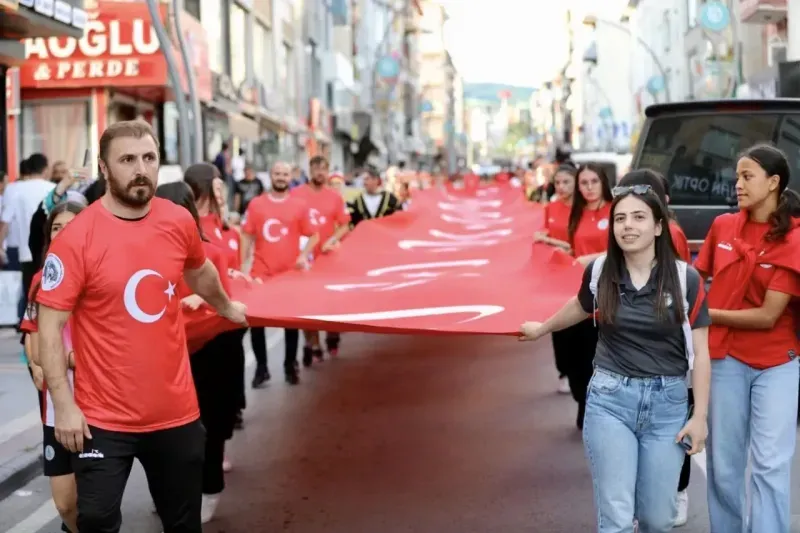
[781,218]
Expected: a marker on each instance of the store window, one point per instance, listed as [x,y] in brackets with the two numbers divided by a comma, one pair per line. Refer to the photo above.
[171,135]
[238,33]
[212,16]
[57,129]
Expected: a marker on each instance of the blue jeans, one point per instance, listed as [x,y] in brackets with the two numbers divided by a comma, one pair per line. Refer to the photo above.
[629,435]
[751,413]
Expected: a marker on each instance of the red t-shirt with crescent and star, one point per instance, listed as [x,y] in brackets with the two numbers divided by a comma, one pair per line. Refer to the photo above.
[118,278]
[327,210]
[276,225]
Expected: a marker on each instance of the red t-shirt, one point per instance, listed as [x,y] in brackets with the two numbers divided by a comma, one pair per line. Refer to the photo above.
[680,241]
[227,239]
[759,348]
[326,209]
[276,226]
[28,323]
[556,219]
[219,259]
[591,235]
[119,278]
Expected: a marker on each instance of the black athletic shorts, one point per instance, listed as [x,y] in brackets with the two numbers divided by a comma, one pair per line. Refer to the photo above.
[57,459]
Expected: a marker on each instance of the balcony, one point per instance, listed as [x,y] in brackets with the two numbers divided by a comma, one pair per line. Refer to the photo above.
[762,11]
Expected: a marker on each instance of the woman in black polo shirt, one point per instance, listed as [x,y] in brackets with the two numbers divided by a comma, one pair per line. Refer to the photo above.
[653,324]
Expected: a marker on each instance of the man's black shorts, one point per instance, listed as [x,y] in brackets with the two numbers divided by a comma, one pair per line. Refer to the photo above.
[57,459]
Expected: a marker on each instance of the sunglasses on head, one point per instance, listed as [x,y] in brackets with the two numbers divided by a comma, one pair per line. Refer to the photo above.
[635,189]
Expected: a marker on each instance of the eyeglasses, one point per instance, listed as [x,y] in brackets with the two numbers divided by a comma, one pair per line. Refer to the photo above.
[635,189]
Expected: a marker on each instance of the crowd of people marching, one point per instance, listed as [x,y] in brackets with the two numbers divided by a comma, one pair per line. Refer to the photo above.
[662,369]
[660,365]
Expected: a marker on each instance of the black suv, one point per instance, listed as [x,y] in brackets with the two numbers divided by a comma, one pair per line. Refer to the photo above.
[695,145]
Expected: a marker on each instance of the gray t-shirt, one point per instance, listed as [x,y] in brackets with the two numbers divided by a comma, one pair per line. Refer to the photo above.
[637,344]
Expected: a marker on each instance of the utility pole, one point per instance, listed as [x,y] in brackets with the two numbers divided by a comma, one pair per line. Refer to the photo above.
[184,146]
[187,54]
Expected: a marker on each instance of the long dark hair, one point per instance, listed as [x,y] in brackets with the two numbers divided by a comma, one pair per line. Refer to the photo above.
[64,207]
[775,163]
[180,194]
[579,202]
[668,285]
[200,179]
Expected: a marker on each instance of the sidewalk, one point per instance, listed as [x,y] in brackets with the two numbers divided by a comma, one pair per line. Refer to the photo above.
[20,422]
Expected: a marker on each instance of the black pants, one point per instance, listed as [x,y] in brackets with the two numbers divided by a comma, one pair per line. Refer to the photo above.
[173,463]
[291,339]
[686,470]
[580,343]
[561,347]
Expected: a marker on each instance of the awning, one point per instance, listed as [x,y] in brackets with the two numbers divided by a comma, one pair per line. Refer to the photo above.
[243,127]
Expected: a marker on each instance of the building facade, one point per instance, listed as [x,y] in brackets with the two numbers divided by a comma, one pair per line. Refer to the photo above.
[27,19]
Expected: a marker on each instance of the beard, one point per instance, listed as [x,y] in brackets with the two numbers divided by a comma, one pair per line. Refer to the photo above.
[280,187]
[137,193]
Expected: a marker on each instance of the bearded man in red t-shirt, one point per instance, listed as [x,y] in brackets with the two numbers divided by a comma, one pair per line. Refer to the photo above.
[114,271]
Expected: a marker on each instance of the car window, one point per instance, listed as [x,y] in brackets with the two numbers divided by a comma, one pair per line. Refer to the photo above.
[697,153]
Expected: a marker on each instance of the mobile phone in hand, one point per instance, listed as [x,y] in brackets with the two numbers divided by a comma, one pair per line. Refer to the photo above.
[686,442]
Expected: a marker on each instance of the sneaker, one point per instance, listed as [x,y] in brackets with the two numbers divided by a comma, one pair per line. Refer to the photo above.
[208,508]
[682,514]
[226,465]
[563,386]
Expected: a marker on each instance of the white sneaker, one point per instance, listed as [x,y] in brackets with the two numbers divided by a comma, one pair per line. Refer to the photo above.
[209,507]
[563,386]
[682,515]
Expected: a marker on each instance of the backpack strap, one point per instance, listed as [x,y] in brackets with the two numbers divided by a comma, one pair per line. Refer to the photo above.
[597,269]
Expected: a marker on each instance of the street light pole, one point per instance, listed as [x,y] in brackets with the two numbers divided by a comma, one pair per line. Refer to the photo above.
[187,54]
[592,20]
[185,153]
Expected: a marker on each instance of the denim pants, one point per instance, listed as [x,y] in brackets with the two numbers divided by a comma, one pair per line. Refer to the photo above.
[752,413]
[629,434]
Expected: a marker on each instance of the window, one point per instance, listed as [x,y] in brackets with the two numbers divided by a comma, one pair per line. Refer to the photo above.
[212,17]
[691,13]
[238,33]
[58,129]
[260,64]
[698,153]
[291,79]
[193,8]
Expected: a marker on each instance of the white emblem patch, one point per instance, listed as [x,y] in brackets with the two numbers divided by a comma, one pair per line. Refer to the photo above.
[52,272]
[603,224]
[49,453]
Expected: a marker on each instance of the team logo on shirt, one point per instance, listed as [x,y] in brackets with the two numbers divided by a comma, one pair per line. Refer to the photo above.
[49,453]
[52,272]
[317,218]
[271,236]
[233,244]
[602,224]
[132,305]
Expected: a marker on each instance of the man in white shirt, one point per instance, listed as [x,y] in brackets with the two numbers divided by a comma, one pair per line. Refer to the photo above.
[20,201]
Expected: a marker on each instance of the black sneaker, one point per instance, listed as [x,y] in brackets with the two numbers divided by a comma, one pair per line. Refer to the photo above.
[319,355]
[308,356]
[261,376]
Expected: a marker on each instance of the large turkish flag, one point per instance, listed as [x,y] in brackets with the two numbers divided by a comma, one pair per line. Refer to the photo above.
[455,262]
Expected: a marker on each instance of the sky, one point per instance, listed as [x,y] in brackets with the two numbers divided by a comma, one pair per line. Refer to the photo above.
[509,35]
[523,42]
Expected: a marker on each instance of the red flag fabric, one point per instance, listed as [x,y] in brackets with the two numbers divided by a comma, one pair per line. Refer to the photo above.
[457,262]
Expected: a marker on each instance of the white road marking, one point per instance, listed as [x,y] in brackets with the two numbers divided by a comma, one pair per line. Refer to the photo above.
[47,512]
[42,516]
[11,429]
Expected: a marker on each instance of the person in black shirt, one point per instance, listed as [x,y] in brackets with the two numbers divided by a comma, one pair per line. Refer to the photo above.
[373,202]
[250,187]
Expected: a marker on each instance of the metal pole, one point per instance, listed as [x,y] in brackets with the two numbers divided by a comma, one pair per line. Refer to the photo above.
[175,79]
[647,48]
[451,111]
[188,66]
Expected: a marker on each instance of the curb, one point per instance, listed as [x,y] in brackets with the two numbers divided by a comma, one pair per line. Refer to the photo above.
[20,470]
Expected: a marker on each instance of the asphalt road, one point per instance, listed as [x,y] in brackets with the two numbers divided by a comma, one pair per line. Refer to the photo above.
[398,435]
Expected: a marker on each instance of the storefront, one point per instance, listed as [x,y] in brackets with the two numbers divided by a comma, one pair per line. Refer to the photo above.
[21,19]
[72,89]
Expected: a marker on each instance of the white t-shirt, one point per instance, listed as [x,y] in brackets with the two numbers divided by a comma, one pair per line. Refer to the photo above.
[372,202]
[20,202]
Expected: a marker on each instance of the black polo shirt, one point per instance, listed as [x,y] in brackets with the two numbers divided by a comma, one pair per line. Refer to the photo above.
[637,344]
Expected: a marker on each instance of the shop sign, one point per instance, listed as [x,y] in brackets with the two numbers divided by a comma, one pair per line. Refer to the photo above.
[12,91]
[119,47]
